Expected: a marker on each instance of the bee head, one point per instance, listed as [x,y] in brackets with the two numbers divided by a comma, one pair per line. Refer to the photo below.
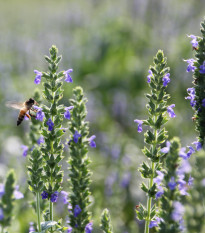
[31,101]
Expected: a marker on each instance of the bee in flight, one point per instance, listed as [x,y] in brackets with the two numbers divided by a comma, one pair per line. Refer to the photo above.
[25,109]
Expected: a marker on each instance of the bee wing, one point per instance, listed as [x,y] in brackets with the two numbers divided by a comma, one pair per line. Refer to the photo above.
[16,105]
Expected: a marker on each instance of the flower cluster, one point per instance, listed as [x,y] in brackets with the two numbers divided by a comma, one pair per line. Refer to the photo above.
[196,93]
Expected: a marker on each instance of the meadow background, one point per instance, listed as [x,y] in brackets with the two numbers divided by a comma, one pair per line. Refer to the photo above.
[109,45]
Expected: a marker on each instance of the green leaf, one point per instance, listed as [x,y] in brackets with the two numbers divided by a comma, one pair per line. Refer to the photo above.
[47,225]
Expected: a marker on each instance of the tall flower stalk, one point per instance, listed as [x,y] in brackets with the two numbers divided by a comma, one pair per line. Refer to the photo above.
[196,93]
[155,136]
[106,224]
[79,174]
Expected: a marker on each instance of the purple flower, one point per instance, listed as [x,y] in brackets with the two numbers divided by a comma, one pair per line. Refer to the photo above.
[203,102]
[126,179]
[40,140]
[198,145]
[191,97]
[178,211]
[31,227]
[50,124]
[139,122]
[167,148]
[149,76]
[160,192]
[190,152]
[182,153]
[44,195]
[171,111]
[184,168]
[159,178]
[190,66]
[69,229]
[91,141]
[17,193]
[67,114]
[54,197]
[182,185]
[77,211]
[65,197]
[2,190]
[194,41]
[40,114]
[202,68]
[166,79]
[172,184]
[190,181]
[69,208]
[68,78]
[1,214]
[76,136]
[89,227]
[25,150]
[38,76]
[155,223]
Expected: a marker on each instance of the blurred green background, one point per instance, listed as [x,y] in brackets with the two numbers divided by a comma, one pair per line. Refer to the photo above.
[110,45]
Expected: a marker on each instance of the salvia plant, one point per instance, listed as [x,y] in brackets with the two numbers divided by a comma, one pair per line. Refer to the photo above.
[166,169]
[196,94]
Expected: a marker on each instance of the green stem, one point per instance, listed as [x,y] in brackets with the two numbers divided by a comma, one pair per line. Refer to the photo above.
[38,210]
[2,230]
[149,201]
[51,212]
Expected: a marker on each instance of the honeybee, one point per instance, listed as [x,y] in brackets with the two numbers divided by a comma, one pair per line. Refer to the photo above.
[25,109]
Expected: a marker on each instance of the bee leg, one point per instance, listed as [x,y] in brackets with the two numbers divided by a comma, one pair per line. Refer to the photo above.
[31,115]
[28,116]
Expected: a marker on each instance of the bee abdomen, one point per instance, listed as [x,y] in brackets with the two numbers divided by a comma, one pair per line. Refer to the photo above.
[21,117]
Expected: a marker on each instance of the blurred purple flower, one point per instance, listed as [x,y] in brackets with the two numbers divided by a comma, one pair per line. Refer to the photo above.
[191,97]
[203,102]
[126,179]
[149,76]
[202,68]
[139,122]
[115,151]
[40,140]
[69,208]
[31,227]
[182,185]
[182,153]
[67,114]
[203,182]
[171,111]
[194,41]
[91,141]
[155,223]
[167,148]
[190,181]
[25,150]
[2,190]
[159,178]
[77,211]
[1,214]
[38,76]
[178,211]
[89,227]
[50,124]
[40,114]
[184,168]
[160,191]
[65,197]
[44,195]
[68,78]
[166,79]
[190,152]
[110,180]
[54,196]
[17,193]
[198,145]
[69,229]
[190,66]
[76,136]
[172,184]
